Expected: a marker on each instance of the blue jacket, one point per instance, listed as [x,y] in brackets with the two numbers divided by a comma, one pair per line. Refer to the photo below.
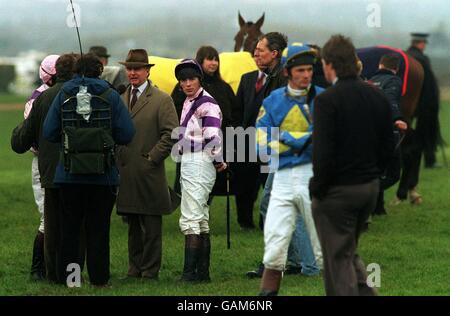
[122,128]
[294,120]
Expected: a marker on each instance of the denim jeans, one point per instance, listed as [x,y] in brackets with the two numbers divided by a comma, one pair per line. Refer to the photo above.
[264,204]
[300,252]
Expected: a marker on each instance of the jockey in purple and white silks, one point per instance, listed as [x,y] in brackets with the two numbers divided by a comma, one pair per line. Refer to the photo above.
[200,145]
[47,74]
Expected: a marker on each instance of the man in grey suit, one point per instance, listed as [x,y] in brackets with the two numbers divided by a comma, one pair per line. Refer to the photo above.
[144,195]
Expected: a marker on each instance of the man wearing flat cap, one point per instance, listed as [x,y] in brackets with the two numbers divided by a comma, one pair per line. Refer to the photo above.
[115,75]
[144,195]
[101,52]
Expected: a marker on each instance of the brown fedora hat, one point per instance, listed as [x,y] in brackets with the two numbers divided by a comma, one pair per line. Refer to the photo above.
[136,58]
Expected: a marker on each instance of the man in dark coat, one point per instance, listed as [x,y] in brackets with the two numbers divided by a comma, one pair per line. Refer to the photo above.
[144,195]
[428,129]
[352,144]
[28,134]
[253,88]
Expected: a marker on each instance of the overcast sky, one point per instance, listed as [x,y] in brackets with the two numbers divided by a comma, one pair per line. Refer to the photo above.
[167,24]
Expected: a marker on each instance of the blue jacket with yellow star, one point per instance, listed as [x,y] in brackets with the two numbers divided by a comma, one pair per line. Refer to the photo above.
[293,118]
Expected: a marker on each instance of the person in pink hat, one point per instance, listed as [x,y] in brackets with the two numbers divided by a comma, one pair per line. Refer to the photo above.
[47,73]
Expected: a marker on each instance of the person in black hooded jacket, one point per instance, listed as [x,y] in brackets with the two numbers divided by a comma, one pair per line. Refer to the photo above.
[387,80]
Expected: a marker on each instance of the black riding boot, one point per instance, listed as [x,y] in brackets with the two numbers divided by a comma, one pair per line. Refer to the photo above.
[192,250]
[38,262]
[204,260]
[257,273]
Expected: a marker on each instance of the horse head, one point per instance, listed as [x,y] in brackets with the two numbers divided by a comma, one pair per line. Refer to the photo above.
[248,34]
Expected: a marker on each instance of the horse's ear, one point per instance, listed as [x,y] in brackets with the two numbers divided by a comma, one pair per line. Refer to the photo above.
[260,22]
[241,20]
[239,40]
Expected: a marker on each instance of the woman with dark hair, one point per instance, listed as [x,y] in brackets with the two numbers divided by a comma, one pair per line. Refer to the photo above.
[212,82]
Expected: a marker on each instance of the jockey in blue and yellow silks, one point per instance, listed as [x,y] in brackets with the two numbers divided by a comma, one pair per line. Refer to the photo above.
[291,112]
[284,127]
[292,115]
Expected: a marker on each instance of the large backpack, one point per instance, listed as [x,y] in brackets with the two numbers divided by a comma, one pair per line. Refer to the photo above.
[88,146]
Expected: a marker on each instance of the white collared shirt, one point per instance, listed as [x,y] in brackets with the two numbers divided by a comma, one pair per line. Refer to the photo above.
[141,90]
[296,93]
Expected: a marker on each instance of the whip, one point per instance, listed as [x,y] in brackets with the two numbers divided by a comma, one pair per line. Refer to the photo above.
[76,26]
[83,96]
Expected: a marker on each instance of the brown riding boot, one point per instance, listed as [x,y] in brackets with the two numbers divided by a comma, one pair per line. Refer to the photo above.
[270,283]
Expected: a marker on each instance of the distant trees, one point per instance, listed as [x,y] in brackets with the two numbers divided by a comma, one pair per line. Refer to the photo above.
[7,76]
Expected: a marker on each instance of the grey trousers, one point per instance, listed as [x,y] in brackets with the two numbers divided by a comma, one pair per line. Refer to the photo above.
[340,217]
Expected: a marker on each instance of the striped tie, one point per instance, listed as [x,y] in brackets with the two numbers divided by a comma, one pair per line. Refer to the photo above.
[260,82]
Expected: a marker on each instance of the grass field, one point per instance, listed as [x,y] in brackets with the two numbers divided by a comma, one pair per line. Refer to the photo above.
[411,244]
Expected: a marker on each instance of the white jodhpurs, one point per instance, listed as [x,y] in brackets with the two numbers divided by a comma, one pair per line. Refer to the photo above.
[289,199]
[197,180]
[37,191]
